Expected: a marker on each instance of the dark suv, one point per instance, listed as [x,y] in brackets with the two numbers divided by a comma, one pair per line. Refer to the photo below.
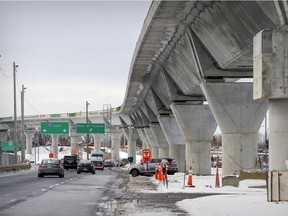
[70,162]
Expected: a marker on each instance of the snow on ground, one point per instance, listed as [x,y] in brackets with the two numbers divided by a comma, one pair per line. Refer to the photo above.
[229,201]
[232,201]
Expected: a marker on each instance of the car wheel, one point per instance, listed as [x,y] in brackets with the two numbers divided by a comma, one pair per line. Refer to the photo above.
[93,172]
[40,176]
[78,172]
[102,169]
[134,172]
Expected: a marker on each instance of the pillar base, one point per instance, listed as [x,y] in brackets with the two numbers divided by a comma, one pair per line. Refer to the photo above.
[238,152]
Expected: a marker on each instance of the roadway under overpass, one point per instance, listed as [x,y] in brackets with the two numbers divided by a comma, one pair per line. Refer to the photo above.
[184,81]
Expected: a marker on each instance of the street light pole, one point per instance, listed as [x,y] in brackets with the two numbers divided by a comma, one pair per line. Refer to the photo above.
[22,125]
[15,113]
[87,121]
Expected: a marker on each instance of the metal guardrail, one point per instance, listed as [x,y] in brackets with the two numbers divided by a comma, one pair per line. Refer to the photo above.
[14,167]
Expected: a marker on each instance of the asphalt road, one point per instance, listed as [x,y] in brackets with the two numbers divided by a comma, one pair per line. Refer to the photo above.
[23,193]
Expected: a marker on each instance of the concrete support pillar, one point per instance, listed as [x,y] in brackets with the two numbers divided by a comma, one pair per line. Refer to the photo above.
[74,142]
[270,71]
[239,118]
[174,138]
[271,82]
[143,139]
[116,138]
[97,140]
[197,125]
[155,152]
[160,139]
[29,140]
[152,141]
[55,145]
[132,135]
[278,134]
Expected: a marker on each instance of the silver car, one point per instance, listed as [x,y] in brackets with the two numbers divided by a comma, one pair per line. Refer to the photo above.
[149,169]
[51,166]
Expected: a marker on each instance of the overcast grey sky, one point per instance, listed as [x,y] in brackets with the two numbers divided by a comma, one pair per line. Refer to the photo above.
[68,53]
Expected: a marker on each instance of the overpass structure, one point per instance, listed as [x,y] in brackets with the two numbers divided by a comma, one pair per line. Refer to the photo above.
[186,77]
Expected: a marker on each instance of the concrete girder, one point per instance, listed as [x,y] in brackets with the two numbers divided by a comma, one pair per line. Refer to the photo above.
[173,90]
[151,105]
[161,107]
[144,118]
[160,92]
[239,118]
[150,113]
[228,43]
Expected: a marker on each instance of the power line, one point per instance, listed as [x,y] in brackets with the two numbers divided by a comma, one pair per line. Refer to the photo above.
[31,106]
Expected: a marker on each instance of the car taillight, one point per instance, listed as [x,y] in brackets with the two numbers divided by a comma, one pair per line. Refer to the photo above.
[57,165]
[41,165]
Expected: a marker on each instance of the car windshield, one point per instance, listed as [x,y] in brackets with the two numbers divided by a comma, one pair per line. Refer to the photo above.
[50,161]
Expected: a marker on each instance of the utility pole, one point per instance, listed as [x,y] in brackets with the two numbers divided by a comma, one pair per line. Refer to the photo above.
[22,125]
[15,113]
[87,121]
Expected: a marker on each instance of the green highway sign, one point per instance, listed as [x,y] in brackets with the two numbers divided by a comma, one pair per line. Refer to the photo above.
[91,128]
[9,146]
[54,127]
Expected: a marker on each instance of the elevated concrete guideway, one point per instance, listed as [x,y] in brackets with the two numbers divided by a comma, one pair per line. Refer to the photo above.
[184,81]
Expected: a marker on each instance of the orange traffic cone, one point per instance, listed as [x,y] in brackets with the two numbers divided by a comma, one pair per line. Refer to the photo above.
[217,182]
[189,183]
[156,171]
[161,177]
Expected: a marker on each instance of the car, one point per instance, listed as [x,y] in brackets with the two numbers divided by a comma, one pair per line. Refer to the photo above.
[70,162]
[98,162]
[85,166]
[122,162]
[51,166]
[141,168]
[109,163]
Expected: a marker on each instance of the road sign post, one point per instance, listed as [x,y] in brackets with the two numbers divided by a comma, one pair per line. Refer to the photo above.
[90,128]
[54,127]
